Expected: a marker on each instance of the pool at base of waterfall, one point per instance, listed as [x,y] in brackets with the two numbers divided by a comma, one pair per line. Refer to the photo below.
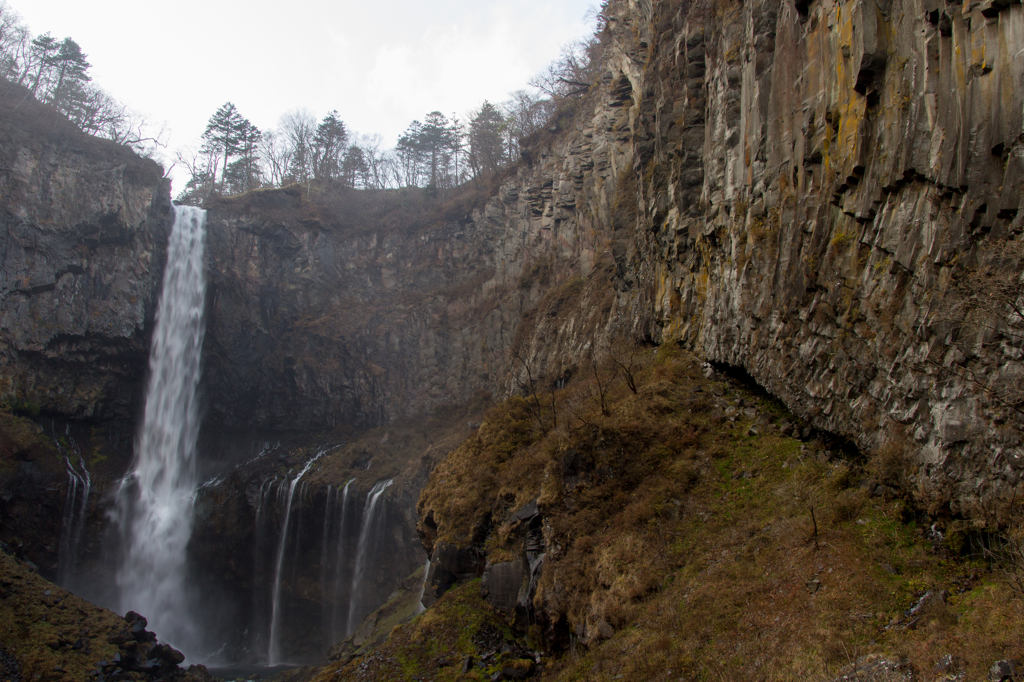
[234,673]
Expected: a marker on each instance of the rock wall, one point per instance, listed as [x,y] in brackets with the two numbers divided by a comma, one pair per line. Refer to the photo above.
[825,188]
[825,194]
[83,231]
[329,311]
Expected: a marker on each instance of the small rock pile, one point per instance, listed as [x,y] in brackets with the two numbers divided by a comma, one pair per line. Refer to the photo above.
[513,662]
[142,658]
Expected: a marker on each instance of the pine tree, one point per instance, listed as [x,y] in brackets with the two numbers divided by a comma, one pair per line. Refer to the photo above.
[486,139]
[244,174]
[222,136]
[430,151]
[70,68]
[328,146]
[410,154]
[354,169]
[437,140]
[41,54]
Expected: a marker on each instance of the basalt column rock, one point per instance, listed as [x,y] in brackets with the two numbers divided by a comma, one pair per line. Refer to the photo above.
[827,189]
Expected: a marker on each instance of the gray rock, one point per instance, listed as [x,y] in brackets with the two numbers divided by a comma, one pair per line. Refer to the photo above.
[1002,671]
[876,668]
[502,583]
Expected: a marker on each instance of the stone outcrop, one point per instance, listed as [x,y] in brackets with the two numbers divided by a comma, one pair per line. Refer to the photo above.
[825,190]
[824,194]
[83,224]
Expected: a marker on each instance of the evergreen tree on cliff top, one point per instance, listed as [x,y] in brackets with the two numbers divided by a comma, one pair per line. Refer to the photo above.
[70,66]
[486,139]
[228,134]
[430,150]
[245,174]
[329,144]
[221,136]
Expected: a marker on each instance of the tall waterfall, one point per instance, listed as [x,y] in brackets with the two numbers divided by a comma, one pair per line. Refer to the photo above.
[155,499]
[368,537]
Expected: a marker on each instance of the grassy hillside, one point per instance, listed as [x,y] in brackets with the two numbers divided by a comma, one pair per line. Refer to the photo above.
[687,534]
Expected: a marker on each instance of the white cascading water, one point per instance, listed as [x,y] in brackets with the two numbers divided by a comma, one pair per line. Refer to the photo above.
[420,608]
[155,499]
[332,563]
[76,507]
[274,647]
[365,548]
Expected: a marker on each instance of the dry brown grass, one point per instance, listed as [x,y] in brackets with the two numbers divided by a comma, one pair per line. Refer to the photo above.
[690,541]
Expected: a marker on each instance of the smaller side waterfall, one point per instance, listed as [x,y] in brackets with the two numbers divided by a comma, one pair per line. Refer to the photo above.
[325,564]
[369,535]
[332,564]
[76,506]
[420,608]
[274,645]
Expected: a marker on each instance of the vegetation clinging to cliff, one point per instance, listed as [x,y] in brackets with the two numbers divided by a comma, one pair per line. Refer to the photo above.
[688,534]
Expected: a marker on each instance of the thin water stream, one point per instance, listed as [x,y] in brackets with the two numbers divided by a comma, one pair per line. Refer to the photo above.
[368,537]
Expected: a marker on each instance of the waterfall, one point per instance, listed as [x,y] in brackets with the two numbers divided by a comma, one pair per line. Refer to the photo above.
[332,562]
[76,504]
[324,544]
[368,536]
[326,568]
[154,508]
[420,608]
[274,646]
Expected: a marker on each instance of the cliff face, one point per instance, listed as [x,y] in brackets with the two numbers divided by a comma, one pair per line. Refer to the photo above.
[321,313]
[337,310]
[826,195]
[823,194]
[830,198]
[84,229]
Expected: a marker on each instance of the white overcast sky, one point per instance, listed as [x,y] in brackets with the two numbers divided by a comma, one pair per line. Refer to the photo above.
[381,65]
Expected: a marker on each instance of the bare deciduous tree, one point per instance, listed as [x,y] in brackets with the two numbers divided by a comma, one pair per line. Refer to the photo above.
[525,113]
[572,74]
[298,127]
[275,155]
[15,40]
